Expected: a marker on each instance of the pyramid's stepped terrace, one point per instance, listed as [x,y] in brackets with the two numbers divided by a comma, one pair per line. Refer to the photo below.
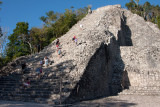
[116,50]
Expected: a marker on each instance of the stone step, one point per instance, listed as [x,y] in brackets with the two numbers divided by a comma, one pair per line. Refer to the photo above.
[13,74]
[27,91]
[34,84]
[38,82]
[32,81]
[33,96]
[29,77]
[26,95]
[144,88]
[35,89]
[31,89]
[140,93]
[11,79]
[8,98]
[31,86]
[55,73]
[145,94]
[38,100]
[35,80]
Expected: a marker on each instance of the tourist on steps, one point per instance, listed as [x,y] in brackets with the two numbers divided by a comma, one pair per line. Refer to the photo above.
[26,83]
[59,52]
[46,61]
[39,71]
[23,65]
[74,39]
[89,10]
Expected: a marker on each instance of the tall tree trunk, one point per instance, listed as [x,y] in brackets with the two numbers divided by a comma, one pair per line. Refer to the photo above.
[30,46]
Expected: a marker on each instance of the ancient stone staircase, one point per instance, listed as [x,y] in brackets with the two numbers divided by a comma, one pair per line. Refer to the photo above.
[47,89]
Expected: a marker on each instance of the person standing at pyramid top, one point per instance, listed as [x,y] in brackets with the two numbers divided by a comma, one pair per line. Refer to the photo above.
[89,9]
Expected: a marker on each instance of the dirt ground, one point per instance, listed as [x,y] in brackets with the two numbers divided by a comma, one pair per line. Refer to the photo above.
[113,101]
[123,101]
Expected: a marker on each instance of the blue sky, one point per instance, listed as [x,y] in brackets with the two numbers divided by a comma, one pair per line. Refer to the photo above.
[13,11]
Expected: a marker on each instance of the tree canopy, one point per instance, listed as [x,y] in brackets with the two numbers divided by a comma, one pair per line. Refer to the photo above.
[17,45]
[147,11]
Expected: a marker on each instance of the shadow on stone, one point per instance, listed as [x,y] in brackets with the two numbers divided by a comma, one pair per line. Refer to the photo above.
[125,80]
[124,35]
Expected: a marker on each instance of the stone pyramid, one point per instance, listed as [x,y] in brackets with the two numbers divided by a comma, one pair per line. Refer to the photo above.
[116,50]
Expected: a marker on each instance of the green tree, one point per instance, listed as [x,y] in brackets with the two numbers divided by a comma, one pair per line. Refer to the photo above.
[130,5]
[58,24]
[147,10]
[64,23]
[81,12]
[39,38]
[17,45]
[50,18]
